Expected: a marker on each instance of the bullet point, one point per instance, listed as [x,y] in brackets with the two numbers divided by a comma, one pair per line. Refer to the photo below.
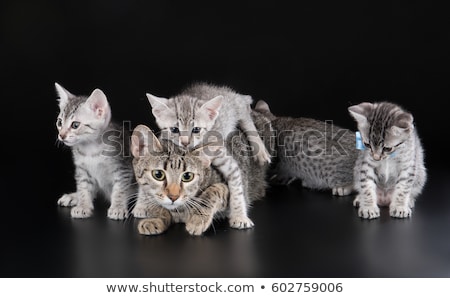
[263,287]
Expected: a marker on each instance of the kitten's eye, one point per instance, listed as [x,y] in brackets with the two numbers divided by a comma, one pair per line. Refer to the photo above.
[187,177]
[59,122]
[174,130]
[196,130]
[75,124]
[388,149]
[158,175]
[367,145]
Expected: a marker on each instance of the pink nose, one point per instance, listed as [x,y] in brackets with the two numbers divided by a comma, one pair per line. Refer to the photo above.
[184,141]
[62,136]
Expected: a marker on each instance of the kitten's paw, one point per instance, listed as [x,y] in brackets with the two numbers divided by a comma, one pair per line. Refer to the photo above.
[370,212]
[263,157]
[140,212]
[356,202]
[68,200]
[118,213]
[151,226]
[197,225]
[400,211]
[342,190]
[81,212]
[241,223]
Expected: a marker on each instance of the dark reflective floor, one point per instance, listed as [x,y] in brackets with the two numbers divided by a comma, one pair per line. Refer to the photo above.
[297,233]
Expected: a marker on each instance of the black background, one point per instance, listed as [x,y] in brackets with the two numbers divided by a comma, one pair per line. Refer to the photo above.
[309,58]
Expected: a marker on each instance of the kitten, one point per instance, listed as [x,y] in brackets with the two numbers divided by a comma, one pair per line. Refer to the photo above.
[205,112]
[390,171]
[84,124]
[320,154]
[177,184]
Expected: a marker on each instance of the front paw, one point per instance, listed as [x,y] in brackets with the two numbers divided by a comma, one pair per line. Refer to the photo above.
[151,226]
[369,212]
[400,211]
[140,212]
[263,157]
[241,222]
[68,200]
[118,213]
[197,225]
[81,212]
[342,191]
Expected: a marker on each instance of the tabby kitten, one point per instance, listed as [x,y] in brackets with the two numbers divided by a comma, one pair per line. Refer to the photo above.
[84,123]
[205,112]
[320,154]
[179,185]
[390,171]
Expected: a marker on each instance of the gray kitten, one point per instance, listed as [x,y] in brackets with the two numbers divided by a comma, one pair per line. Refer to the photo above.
[205,112]
[320,154]
[391,171]
[84,124]
[179,185]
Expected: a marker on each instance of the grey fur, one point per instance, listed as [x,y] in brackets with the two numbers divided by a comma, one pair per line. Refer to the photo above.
[216,112]
[318,153]
[196,202]
[102,162]
[391,171]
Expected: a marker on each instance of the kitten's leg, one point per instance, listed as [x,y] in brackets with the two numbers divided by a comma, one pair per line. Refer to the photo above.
[367,196]
[121,191]
[159,221]
[85,194]
[402,201]
[214,199]
[68,200]
[238,203]
[141,209]
[254,139]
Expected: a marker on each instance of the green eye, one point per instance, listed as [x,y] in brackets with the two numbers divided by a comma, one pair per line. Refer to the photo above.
[187,177]
[75,124]
[158,175]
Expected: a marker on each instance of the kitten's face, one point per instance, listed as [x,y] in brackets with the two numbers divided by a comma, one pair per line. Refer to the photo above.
[384,127]
[170,180]
[81,119]
[186,121]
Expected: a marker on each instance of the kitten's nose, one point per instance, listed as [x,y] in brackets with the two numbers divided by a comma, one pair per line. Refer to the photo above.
[376,157]
[173,191]
[62,136]
[184,140]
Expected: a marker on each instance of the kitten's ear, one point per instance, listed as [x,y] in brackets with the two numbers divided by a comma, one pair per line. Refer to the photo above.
[98,103]
[143,141]
[63,95]
[159,105]
[211,107]
[262,106]
[361,111]
[404,123]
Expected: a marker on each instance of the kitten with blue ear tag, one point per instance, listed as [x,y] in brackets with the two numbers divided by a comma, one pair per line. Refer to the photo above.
[99,154]
[390,168]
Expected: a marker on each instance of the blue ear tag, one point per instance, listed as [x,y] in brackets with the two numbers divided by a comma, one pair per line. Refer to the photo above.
[359,142]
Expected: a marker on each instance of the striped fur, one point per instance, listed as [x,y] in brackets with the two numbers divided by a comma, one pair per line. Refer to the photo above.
[391,171]
[102,163]
[203,113]
[318,153]
[198,202]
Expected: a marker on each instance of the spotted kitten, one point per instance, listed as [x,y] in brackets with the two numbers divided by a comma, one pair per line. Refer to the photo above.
[320,154]
[391,171]
[205,112]
[179,185]
[84,123]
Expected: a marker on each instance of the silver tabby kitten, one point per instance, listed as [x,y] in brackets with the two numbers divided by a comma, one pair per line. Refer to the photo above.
[390,171]
[84,124]
[204,112]
[318,153]
[179,185]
